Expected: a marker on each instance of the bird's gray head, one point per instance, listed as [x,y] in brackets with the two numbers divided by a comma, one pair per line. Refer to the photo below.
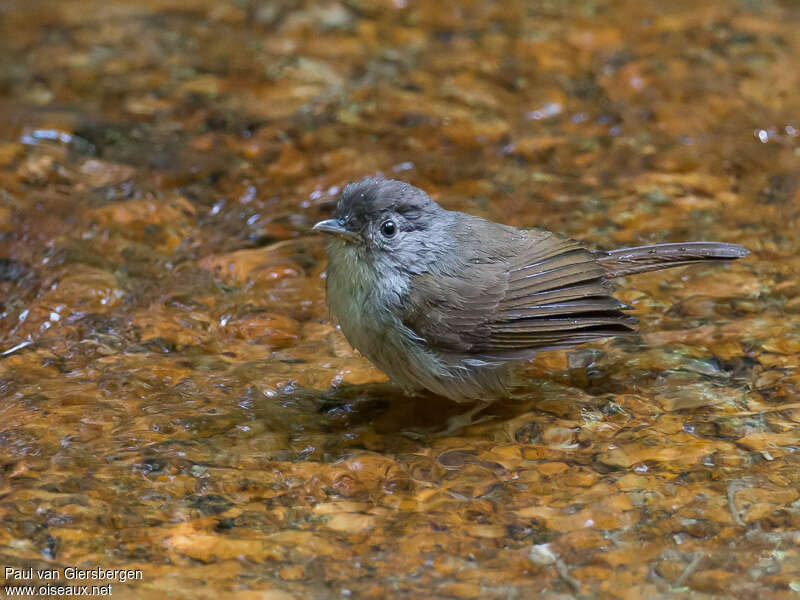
[384,221]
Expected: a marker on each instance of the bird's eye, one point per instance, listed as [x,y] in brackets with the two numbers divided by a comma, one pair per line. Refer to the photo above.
[388,228]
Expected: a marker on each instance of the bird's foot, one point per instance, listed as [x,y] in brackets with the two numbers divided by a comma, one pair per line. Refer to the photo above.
[459,422]
[454,424]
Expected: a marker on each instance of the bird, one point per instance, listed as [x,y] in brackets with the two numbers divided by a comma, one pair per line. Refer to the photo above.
[447,301]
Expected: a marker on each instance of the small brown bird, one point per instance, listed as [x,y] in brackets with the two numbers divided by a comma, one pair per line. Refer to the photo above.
[444,300]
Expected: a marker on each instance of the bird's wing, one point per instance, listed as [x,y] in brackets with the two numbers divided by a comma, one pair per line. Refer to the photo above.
[519,292]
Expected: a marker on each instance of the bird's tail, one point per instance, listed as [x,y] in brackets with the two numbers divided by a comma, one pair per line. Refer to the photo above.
[627,261]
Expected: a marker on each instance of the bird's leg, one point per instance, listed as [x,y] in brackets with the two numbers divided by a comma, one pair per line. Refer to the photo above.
[458,422]
[454,423]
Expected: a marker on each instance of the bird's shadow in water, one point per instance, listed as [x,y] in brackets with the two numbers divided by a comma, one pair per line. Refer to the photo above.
[384,409]
[378,408]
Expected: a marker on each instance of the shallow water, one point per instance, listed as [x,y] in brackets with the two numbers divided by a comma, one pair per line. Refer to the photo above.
[176,400]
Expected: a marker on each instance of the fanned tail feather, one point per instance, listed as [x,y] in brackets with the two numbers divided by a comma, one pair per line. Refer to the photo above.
[627,261]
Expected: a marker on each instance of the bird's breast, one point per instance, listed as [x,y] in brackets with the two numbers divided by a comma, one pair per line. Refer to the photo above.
[365,299]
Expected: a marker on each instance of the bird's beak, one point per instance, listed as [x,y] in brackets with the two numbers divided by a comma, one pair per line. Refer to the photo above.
[334,227]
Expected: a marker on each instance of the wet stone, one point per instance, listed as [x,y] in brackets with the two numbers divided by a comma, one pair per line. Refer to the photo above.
[13,270]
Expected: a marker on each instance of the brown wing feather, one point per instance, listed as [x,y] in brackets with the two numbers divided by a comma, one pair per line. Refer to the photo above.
[520,292]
